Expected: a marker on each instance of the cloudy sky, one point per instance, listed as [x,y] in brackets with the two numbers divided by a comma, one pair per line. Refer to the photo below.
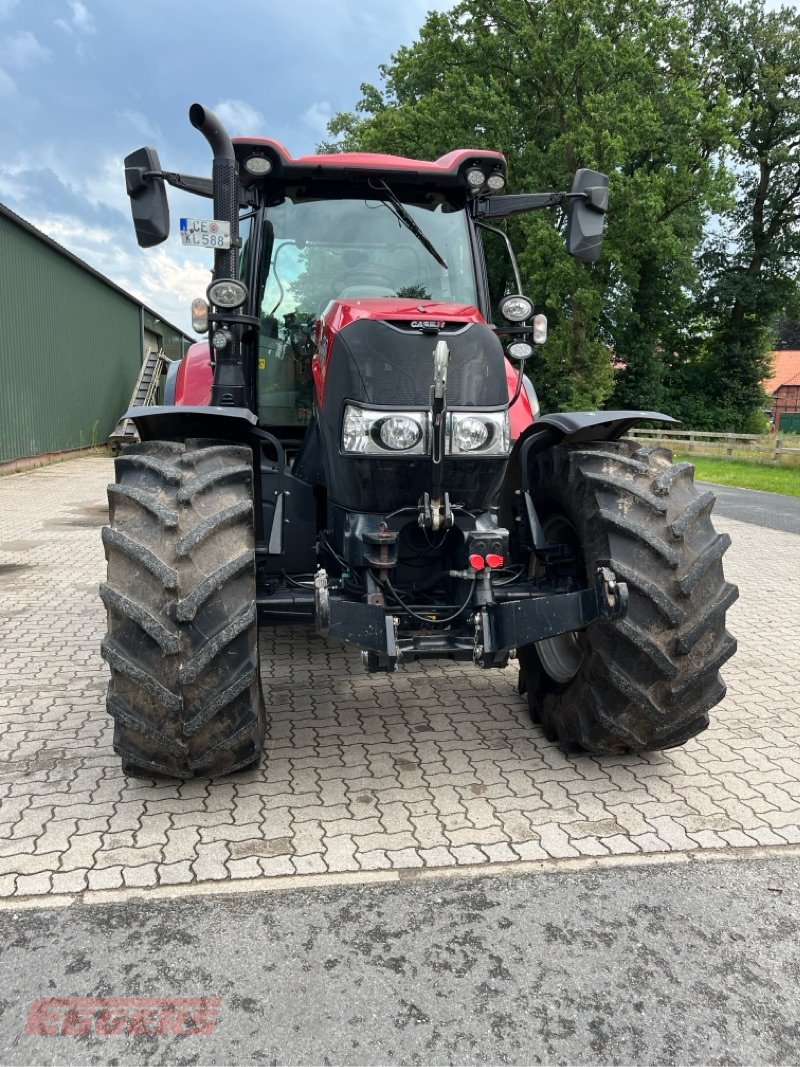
[84,82]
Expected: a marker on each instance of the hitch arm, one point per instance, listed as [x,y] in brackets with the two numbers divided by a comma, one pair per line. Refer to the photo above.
[515,623]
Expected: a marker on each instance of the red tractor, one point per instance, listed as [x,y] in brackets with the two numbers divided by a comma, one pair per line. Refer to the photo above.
[354,449]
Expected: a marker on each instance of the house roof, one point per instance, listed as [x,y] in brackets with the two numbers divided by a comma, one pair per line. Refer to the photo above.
[786,370]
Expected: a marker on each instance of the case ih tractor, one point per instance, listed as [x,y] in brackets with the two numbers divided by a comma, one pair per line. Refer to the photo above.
[353,448]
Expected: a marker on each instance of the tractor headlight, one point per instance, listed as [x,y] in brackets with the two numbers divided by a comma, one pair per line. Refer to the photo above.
[470,433]
[375,433]
[485,433]
[367,432]
[399,432]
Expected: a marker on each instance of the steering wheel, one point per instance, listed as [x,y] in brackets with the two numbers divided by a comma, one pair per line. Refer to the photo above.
[348,279]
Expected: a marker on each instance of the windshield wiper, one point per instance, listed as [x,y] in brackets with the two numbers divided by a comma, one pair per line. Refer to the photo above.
[397,209]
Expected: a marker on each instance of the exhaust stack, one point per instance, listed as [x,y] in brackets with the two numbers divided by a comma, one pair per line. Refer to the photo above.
[228,389]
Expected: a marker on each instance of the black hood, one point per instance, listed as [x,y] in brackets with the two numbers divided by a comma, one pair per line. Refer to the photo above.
[387,364]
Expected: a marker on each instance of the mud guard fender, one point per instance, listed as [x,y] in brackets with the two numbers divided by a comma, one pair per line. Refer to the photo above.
[170,422]
[576,426]
[565,427]
[572,427]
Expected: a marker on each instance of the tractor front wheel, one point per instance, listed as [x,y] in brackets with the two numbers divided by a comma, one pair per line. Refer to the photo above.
[182,641]
[646,681]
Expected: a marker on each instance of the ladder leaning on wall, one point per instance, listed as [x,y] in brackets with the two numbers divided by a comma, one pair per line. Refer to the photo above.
[143,395]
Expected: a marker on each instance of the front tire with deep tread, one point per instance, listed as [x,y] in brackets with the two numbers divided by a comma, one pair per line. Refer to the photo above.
[182,640]
[647,681]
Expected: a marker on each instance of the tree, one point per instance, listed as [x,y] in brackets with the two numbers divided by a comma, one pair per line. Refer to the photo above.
[788,335]
[559,85]
[750,262]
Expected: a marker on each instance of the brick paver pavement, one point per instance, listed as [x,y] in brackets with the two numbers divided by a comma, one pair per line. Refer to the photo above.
[436,766]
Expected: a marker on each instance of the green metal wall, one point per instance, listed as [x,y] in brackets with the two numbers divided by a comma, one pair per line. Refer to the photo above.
[173,342]
[70,349]
[70,346]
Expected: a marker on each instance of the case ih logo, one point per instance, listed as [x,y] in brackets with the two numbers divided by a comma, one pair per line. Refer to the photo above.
[427,324]
[123,1016]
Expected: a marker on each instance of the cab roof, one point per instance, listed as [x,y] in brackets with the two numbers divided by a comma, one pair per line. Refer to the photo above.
[446,172]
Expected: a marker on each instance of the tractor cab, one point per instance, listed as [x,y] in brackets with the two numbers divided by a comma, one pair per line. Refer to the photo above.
[352,231]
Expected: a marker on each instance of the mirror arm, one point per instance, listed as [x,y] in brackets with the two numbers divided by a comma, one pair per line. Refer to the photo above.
[515,203]
[595,198]
[188,182]
[200,186]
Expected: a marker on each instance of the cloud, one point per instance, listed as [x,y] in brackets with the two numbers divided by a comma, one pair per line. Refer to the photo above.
[80,20]
[74,233]
[8,87]
[161,272]
[23,50]
[105,186]
[42,176]
[6,7]
[239,118]
[143,126]
[318,116]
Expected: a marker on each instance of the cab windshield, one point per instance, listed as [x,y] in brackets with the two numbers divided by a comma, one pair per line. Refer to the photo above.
[324,250]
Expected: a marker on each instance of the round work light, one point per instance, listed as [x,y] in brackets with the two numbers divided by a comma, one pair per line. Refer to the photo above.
[258,165]
[227,293]
[475,177]
[516,308]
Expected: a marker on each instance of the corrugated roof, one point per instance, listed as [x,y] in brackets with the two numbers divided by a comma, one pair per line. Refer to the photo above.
[31,229]
[786,370]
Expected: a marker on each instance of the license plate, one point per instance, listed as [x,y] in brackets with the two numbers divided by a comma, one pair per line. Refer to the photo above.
[206,233]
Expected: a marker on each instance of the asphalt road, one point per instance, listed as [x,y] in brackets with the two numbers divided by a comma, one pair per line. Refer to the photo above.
[771,510]
[681,963]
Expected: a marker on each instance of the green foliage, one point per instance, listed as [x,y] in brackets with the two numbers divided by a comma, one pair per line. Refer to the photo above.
[787,334]
[749,261]
[694,112]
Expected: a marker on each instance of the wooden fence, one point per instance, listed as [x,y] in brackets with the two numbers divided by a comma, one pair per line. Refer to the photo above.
[764,448]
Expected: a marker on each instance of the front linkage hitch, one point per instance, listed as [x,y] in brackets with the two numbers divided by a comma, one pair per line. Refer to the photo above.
[499,626]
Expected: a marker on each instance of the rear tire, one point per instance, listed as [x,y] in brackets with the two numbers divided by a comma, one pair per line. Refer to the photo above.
[646,681]
[182,641]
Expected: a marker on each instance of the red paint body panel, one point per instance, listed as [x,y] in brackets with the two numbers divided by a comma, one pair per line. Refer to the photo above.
[340,313]
[521,413]
[195,377]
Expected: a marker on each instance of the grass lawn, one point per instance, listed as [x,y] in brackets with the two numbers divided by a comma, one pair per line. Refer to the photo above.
[745,475]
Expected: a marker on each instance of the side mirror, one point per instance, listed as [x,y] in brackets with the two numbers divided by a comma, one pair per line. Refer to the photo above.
[587,214]
[148,196]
